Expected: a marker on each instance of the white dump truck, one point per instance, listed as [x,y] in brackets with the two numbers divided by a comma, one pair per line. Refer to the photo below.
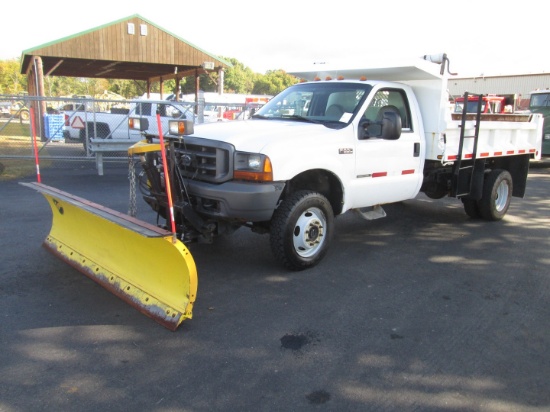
[342,139]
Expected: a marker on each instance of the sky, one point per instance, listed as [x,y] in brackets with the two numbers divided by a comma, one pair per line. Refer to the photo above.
[483,37]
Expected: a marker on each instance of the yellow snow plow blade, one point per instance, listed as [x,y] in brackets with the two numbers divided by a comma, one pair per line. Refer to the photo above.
[140,263]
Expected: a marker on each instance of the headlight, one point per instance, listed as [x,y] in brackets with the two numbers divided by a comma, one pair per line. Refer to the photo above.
[252,166]
[180,127]
[138,123]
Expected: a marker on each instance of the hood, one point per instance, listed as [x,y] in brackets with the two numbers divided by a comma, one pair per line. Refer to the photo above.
[255,135]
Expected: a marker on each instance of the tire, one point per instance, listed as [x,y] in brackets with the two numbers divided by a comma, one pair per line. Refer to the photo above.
[436,195]
[497,192]
[98,130]
[301,230]
[82,137]
[471,208]
[24,115]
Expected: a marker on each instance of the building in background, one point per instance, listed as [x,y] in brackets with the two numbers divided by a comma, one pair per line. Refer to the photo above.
[520,84]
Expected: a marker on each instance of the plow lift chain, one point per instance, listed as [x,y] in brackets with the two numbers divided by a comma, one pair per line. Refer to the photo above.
[132,206]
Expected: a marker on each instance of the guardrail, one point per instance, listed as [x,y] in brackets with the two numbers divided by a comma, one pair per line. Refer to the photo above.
[100,147]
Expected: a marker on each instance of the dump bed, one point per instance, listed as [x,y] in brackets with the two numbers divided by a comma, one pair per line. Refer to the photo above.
[499,135]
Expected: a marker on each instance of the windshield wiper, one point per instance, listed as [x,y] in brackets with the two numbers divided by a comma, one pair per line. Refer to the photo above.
[303,118]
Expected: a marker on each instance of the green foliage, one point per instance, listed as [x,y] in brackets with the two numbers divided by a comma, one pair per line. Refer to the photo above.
[11,81]
[56,86]
[208,83]
[128,88]
[273,82]
[237,79]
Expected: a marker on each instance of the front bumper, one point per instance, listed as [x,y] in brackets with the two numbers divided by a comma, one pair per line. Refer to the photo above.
[243,201]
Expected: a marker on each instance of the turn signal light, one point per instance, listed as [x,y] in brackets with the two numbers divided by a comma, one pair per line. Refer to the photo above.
[263,175]
[181,127]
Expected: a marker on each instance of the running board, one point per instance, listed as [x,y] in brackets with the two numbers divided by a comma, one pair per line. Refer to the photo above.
[371,212]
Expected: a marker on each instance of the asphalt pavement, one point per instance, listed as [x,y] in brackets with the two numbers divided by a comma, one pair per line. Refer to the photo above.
[424,310]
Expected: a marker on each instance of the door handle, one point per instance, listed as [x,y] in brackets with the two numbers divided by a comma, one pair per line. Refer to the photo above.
[416,152]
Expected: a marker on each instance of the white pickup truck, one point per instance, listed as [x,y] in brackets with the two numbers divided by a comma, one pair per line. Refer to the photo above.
[85,124]
[347,139]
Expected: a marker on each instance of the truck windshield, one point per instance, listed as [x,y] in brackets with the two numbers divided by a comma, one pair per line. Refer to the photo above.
[540,100]
[320,102]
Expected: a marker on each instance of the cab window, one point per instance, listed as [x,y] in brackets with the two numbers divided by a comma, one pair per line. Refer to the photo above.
[394,98]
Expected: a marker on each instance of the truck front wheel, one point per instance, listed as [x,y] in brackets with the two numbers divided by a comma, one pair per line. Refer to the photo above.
[301,230]
[497,192]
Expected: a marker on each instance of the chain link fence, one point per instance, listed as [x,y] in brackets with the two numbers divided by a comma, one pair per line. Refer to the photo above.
[86,133]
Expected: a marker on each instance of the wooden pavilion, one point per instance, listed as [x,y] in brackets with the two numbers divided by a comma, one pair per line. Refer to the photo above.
[131,48]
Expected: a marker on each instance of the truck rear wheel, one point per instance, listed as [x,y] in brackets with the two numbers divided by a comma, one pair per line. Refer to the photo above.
[301,230]
[497,193]
[471,208]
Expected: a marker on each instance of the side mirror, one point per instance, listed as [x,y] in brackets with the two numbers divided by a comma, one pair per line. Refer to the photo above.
[391,126]
[387,126]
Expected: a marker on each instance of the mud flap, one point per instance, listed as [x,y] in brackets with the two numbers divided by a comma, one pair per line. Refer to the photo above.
[139,262]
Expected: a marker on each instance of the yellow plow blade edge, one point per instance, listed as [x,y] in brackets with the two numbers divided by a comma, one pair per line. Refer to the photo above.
[139,262]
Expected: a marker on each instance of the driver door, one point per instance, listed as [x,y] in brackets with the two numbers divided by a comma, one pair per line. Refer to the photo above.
[388,170]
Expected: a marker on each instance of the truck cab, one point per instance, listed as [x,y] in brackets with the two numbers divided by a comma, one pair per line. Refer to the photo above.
[540,103]
[374,127]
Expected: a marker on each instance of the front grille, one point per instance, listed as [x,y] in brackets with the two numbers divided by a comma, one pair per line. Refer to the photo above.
[212,162]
